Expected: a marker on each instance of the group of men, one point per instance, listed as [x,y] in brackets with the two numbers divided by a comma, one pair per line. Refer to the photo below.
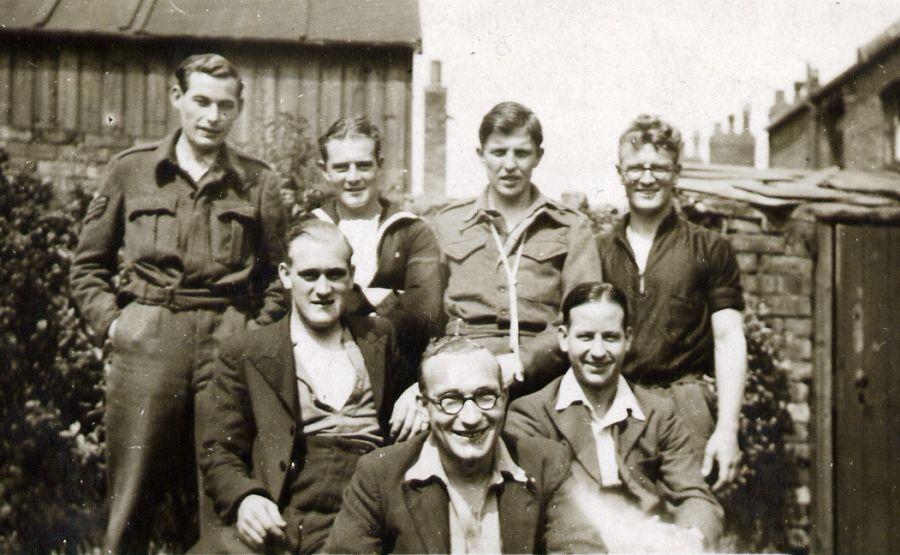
[359,380]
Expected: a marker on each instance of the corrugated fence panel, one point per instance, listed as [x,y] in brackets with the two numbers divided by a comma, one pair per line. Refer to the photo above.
[68,89]
[158,80]
[5,84]
[310,82]
[113,101]
[23,89]
[354,89]
[332,89]
[91,92]
[46,60]
[289,86]
[375,81]
[135,94]
[395,121]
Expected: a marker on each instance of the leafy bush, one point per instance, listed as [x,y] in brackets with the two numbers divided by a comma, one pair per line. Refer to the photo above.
[51,481]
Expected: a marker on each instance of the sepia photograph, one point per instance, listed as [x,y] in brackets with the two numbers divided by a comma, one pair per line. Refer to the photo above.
[432,276]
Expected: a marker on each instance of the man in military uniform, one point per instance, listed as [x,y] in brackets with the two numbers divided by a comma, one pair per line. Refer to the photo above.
[511,254]
[199,226]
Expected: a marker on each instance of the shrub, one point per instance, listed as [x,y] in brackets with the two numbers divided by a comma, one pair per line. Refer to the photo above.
[51,481]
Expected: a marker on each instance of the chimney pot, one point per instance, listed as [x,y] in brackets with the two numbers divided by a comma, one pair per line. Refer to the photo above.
[435,73]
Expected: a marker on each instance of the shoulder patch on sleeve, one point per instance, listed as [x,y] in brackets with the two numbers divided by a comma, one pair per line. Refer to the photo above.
[96,208]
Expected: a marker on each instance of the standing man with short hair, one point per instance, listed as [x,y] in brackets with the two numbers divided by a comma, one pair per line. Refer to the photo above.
[511,254]
[395,254]
[198,225]
[461,487]
[684,295]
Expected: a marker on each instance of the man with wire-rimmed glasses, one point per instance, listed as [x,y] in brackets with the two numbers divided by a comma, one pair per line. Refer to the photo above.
[462,488]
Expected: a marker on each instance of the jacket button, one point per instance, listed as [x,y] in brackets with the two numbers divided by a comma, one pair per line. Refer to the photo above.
[282,465]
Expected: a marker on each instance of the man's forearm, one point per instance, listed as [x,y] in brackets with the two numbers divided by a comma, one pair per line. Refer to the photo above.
[731,373]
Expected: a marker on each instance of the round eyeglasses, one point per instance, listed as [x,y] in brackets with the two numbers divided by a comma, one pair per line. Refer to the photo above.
[658,172]
[453,403]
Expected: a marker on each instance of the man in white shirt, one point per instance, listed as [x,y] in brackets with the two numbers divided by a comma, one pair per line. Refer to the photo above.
[294,405]
[631,453]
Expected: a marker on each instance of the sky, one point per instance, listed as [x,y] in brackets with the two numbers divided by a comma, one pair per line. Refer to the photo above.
[587,67]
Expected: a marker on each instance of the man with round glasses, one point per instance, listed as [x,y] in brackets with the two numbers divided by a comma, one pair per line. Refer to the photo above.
[462,488]
[684,297]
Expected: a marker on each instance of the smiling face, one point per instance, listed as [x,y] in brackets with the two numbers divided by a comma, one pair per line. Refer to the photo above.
[318,276]
[509,159]
[648,194]
[353,170]
[466,440]
[596,341]
[207,109]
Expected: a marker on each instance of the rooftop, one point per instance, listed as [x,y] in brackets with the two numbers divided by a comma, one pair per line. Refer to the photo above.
[830,193]
[369,22]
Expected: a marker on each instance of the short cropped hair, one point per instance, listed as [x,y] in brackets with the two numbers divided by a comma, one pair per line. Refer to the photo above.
[648,129]
[594,291]
[314,228]
[451,344]
[211,64]
[508,117]
[344,128]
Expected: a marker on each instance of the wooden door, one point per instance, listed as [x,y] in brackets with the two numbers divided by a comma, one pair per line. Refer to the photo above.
[867,389]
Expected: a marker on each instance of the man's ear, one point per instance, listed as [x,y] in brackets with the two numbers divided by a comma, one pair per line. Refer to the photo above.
[284,274]
[562,335]
[628,336]
[175,95]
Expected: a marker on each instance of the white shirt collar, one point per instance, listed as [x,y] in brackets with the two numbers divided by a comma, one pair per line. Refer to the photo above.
[429,465]
[624,404]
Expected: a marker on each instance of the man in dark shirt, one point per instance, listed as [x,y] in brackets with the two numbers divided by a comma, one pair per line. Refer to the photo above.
[199,226]
[684,296]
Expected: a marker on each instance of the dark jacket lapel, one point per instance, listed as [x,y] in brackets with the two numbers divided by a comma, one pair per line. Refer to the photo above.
[518,518]
[574,424]
[276,363]
[429,511]
[372,346]
[627,434]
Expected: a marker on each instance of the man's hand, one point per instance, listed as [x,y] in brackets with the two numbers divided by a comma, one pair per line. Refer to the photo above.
[111,332]
[723,448]
[257,519]
[407,418]
[511,368]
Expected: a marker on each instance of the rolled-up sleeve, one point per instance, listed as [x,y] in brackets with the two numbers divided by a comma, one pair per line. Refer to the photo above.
[724,279]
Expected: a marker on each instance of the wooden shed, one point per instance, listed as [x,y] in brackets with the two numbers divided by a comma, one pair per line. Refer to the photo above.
[94,75]
[819,259]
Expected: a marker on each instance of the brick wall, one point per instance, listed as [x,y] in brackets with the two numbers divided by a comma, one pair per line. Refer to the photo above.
[777,273]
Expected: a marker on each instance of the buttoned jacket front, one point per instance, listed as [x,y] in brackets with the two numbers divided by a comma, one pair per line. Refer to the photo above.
[253,438]
[181,242]
[658,463]
[558,252]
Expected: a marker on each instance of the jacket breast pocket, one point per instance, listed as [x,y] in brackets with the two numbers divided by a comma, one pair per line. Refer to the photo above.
[540,271]
[150,226]
[231,231]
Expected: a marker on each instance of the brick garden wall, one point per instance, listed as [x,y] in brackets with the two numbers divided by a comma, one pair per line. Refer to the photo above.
[777,269]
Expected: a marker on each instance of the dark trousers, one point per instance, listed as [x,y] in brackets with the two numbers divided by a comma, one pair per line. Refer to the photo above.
[161,359]
[311,500]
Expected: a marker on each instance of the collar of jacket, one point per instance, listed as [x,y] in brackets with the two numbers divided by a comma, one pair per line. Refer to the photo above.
[481,211]
[165,159]
[667,224]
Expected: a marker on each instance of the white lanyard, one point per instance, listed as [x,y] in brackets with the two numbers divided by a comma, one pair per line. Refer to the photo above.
[511,280]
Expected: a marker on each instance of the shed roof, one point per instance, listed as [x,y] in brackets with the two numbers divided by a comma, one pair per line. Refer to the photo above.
[831,193]
[369,22]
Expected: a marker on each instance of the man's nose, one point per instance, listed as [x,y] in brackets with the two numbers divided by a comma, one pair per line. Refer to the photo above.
[470,415]
[213,113]
[598,349]
[647,177]
[509,161]
[323,286]
[352,173]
